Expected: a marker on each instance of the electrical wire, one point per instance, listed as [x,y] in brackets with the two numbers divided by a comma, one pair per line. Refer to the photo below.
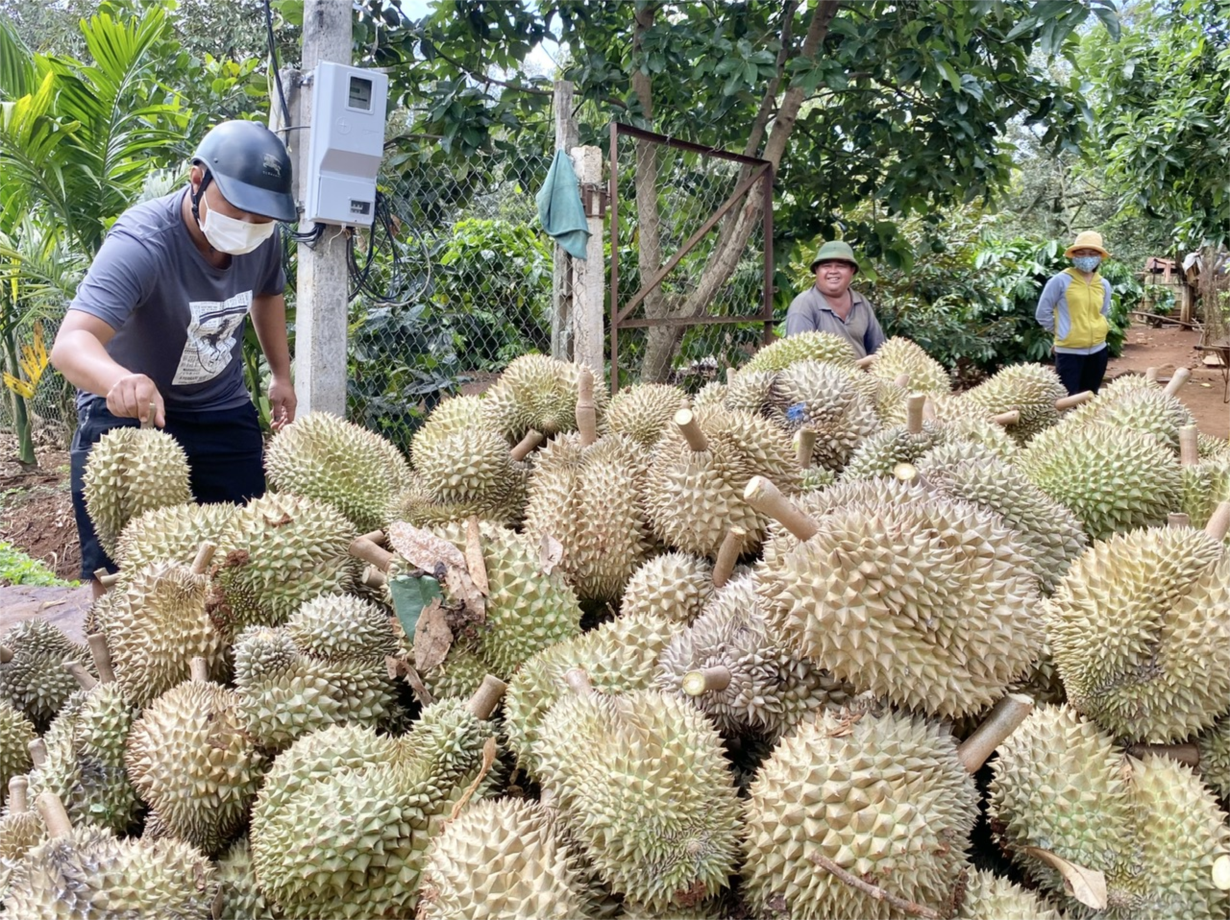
[361,275]
[273,58]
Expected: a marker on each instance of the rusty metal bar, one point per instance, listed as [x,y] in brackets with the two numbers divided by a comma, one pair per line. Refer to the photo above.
[692,321]
[614,209]
[686,145]
[768,253]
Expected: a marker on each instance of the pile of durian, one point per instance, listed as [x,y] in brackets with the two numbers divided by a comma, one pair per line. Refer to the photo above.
[740,654]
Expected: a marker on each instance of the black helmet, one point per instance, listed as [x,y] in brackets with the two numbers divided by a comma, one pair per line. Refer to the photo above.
[251,166]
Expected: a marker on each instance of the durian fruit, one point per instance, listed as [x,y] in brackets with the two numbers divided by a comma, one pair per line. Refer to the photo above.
[1210,447]
[1150,411]
[879,454]
[1050,534]
[129,471]
[1030,389]
[193,763]
[644,411]
[16,733]
[699,470]
[172,533]
[900,355]
[673,585]
[325,665]
[344,818]
[277,552]
[1148,826]
[1140,631]
[327,458]
[155,622]
[1213,757]
[418,505]
[537,393]
[990,896]
[1112,480]
[82,754]
[457,677]
[712,393]
[732,668]
[1204,482]
[502,859]
[929,604]
[806,346]
[883,797]
[239,898]
[21,830]
[823,398]
[591,499]
[641,782]
[32,675]
[620,656]
[86,872]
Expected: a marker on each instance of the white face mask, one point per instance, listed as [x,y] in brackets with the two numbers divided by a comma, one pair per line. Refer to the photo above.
[232,236]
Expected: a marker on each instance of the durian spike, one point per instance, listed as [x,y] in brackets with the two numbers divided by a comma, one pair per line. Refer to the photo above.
[84,677]
[364,549]
[1004,419]
[1189,445]
[691,431]
[587,413]
[914,406]
[709,680]
[6,654]
[1188,754]
[38,752]
[1071,402]
[487,697]
[376,536]
[866,361]
[19,803]
[929,410]
[765,498]
[578,682]
[54,816]
[1219,523]
[804,445]
[902,380]
[105,578]
[198,670]
[1178,519]
[728,555]
[1181,376]
[526,445]
[102,657]
[203,555]
[374,578]
[1151,374]
[1003,720]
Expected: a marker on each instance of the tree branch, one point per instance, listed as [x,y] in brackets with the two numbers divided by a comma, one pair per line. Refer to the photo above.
[769,102]
[485,78]
[912,908]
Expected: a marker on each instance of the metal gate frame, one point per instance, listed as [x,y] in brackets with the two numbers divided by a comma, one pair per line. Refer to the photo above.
[762,171]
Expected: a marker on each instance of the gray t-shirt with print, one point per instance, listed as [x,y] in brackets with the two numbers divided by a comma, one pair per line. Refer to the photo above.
[177,319]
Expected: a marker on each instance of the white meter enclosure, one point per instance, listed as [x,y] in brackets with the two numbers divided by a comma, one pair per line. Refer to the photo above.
[346,144]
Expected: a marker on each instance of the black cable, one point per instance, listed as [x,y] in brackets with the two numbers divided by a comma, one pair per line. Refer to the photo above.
[273,57]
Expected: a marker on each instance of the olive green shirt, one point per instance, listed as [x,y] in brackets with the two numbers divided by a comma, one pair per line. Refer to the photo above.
[810,312]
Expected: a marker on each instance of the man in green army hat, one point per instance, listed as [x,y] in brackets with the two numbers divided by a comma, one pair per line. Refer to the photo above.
[830,305]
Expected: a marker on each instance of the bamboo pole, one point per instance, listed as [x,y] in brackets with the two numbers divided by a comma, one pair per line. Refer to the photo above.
[765,498]
[1003,720]
[686,422]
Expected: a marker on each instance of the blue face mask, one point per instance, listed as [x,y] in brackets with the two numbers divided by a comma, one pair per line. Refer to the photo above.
[1087,263]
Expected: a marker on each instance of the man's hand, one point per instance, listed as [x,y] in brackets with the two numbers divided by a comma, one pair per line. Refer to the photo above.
[132,397]
[282,403]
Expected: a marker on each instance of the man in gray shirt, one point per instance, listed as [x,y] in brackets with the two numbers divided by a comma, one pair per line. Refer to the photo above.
[830,306]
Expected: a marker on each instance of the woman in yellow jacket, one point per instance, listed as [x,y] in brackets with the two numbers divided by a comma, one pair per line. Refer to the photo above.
[1074,306]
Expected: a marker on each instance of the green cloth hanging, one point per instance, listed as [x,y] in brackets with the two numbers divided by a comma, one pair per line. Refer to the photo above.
[560,208]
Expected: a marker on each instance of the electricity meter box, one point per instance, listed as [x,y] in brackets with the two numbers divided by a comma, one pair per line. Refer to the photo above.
[346,144]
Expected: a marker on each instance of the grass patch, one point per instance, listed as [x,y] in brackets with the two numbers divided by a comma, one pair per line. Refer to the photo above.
[16,568]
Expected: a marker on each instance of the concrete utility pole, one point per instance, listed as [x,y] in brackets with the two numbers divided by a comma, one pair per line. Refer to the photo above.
[323,284]
[561,279]
[589,274]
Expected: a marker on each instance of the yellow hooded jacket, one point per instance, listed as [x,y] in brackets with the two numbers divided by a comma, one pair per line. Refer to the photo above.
[1075,311]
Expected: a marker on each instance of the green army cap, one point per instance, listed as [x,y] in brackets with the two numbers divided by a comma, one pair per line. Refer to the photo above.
[835,251]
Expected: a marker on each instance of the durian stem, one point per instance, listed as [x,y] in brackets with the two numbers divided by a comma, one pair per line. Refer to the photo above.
[804,446]
[1178,519]
[765,498]
[913,908]
[929,414]
[38,752]
[1151,374]
[105,578]
[587,413]
[54,816]
[487,697]
[1181,376]
[203,555]
[19,802]
[578,682]
[102,657]
[83,677]
[198,670]
[1219,523]
[1188,754]
[1008,713]
[526,445]
[914,406]
[364,549]
[728,555]
[6,654]
[476,565]
[1189,445]
[865,362]
[905,472]
[376,536]
[374,578]
[686,422]
[1071,402]
[902,380]
[1004,419]
[710,680]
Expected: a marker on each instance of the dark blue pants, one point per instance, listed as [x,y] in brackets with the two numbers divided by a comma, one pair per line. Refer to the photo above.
[225,461]
[1082,372]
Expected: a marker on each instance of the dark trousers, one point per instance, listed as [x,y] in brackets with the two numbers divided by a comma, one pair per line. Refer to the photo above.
[225,462]
[1082,372]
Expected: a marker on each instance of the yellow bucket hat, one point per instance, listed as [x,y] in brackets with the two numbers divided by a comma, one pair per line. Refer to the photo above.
[1087,239]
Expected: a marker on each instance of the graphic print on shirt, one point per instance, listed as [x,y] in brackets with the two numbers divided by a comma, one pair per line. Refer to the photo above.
[211,338]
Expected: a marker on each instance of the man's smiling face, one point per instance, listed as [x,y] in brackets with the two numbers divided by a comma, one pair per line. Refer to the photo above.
[833,277]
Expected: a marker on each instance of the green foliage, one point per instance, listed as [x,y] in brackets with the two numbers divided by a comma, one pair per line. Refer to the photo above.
[16,568]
